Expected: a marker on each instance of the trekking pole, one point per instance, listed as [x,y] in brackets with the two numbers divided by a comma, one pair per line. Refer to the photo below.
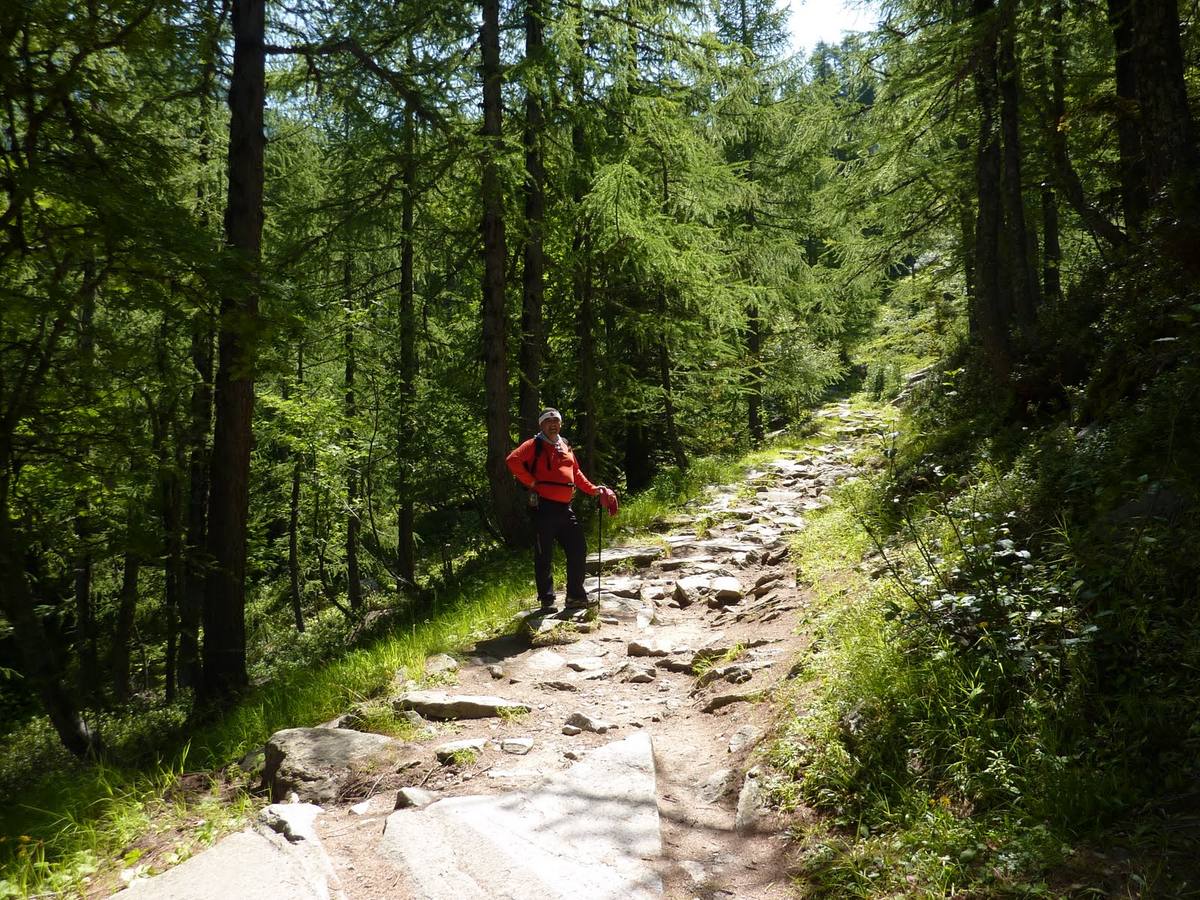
[599,547]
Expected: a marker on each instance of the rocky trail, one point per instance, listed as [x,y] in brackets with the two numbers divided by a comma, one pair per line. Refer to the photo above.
[610,757]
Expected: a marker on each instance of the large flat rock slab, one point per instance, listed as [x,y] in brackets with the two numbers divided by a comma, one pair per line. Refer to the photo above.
[623,558]
[591,831]
[440,705]
[245,866]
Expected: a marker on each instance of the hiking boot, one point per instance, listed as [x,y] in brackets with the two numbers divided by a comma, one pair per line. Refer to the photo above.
[546,605]
[578,603]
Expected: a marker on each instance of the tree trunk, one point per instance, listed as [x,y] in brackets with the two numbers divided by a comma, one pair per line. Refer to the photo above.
[1067,179]
[349,441]
[405,543]
[1019,238]
[191,599]
[533,269]
[224,594]
[126,610]
[1129,130]
[171,520]
[1165,117]
[510,520]
[294,521]
[85,617]
[40,661]
[1055,101]
[664,375]
[639,466]
[200,422]
[988,320]
[755,376]
[581,277]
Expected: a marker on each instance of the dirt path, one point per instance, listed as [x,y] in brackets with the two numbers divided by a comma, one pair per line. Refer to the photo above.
[724,602]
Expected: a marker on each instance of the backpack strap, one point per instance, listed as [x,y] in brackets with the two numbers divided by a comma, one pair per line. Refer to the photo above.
[530,467]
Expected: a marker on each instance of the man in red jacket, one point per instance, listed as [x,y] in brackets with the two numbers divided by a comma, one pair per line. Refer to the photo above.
[546,466]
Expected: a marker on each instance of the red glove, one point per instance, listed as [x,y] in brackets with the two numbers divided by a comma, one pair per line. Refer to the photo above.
[608,499]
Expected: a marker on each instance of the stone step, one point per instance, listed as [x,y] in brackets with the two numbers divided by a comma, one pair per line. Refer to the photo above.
[592,831]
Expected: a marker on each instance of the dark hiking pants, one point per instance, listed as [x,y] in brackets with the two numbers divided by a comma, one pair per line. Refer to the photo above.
[556,522]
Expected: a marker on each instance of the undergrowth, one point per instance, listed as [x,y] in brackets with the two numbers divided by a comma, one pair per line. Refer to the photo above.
[1001,702]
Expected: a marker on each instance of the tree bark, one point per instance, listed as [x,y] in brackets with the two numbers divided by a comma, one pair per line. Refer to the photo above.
[294,593]
[1020,240]
[224,595]
[1132,167]
[405,543]
[988,316]
[581,275]
[532,338]
[85,618]
[505,500]
[126,610]
[353,519]
[191,600]
[40,662]
[664,375]
[1168,138]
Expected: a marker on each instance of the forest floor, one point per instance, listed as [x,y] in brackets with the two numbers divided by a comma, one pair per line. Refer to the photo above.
[693,649]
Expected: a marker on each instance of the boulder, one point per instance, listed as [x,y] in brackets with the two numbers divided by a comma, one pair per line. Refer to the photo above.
[316,763]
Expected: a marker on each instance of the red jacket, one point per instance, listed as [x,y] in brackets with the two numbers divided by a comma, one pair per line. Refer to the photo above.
[557,473]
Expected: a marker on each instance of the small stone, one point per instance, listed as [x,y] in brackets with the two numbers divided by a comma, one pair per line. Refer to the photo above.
[727,589]
[440,663]
[723,700]
[572,755]
[716,785]
[587,723]
[689,588]
[649,648]
[695,871]
[361,809]
[446,752]
[631,673]
[517,746]
[496,671]
[557,686]
[743,738]
[413,798]
[750,802]
[571,730]
[585,664]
